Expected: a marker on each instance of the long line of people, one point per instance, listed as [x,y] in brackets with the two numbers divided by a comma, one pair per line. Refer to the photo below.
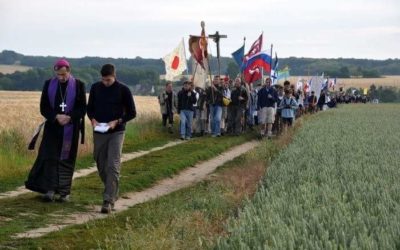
[230,107]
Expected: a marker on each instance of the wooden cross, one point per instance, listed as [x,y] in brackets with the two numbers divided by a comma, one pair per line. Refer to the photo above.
[63,106]
[216,37]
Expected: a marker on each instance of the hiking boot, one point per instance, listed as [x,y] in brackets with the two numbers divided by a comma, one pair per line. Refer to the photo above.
[106,208]
[48,197]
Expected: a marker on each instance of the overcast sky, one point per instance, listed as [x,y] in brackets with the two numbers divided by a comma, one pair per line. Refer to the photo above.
[152,28]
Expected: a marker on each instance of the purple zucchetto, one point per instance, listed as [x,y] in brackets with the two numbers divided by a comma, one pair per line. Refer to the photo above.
[61,63]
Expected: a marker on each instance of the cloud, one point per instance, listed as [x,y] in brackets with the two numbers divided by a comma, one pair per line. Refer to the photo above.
[152,28]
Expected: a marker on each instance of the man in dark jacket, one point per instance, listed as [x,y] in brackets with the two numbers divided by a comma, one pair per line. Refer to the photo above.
[200,112]
[266,106]
[110,107]
[237,107]
[186,100]
[312,102]
[168,101]
[321,100]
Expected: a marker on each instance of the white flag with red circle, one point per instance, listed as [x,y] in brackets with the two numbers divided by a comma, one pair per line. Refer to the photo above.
[175,62]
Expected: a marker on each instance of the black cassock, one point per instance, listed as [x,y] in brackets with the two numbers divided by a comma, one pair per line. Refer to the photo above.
[49,172]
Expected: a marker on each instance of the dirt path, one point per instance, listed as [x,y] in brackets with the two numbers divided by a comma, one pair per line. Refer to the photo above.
[184,179]
[88,171]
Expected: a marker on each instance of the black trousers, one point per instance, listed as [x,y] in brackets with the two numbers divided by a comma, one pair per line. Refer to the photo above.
[235,115]
[168,116]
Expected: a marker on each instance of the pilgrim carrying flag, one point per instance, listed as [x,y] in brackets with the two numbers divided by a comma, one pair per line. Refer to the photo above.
[175,62]
[252,66]
[198,47]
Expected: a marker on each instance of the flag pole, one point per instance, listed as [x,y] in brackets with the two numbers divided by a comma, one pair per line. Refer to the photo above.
[262,69]
[244,51]
[202,24]
[270,68]
[209,72]
[184,51]
[195,69]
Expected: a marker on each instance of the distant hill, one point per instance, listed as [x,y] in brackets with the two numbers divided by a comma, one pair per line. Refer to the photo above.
[298,66]
[145,72]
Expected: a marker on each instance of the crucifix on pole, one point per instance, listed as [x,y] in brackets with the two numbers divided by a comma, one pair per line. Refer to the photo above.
[216,37]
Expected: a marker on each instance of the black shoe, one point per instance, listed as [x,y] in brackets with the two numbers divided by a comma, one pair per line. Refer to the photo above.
[63,198]
[106,208]
[48,197]
[170,130]
[182,138]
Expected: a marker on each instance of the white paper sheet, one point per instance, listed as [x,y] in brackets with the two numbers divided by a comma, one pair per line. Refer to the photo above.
[102,128]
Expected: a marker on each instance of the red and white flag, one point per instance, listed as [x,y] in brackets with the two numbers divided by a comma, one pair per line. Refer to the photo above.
[175,62]
[255,48]
[252,73]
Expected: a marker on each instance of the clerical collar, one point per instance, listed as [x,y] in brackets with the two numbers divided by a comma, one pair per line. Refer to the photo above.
[63,83]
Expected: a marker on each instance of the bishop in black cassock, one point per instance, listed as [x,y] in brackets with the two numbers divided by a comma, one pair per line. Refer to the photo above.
[63,104]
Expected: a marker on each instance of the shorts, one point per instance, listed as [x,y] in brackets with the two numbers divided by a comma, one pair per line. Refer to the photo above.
[266,115]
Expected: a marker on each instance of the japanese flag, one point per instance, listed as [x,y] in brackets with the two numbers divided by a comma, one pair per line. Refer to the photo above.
[175,62]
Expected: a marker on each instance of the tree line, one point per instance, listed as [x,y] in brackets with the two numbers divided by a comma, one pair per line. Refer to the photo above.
[33,79]
[141,71]
[384,94]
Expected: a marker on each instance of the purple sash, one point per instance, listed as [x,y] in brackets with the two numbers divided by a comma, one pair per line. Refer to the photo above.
[70,99]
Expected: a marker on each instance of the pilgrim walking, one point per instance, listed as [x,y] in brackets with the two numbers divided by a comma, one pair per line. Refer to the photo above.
[110,106]
[63,104]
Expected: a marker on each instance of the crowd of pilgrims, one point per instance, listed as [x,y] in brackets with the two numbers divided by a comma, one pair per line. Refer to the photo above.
[225,107]
[231,107]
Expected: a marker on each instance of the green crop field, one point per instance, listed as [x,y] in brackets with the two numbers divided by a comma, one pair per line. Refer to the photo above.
[330,183]
[335,187]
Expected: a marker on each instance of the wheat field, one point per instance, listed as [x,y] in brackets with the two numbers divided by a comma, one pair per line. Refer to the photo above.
[20,110]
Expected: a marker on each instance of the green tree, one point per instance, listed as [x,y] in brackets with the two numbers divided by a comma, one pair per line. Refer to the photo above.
[232,70]
[344,72]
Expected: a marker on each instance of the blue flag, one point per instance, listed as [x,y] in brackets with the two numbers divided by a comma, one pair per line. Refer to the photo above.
[275,68]
[238,56]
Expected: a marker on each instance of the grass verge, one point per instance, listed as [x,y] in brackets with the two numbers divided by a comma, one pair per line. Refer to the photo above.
[136,175]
